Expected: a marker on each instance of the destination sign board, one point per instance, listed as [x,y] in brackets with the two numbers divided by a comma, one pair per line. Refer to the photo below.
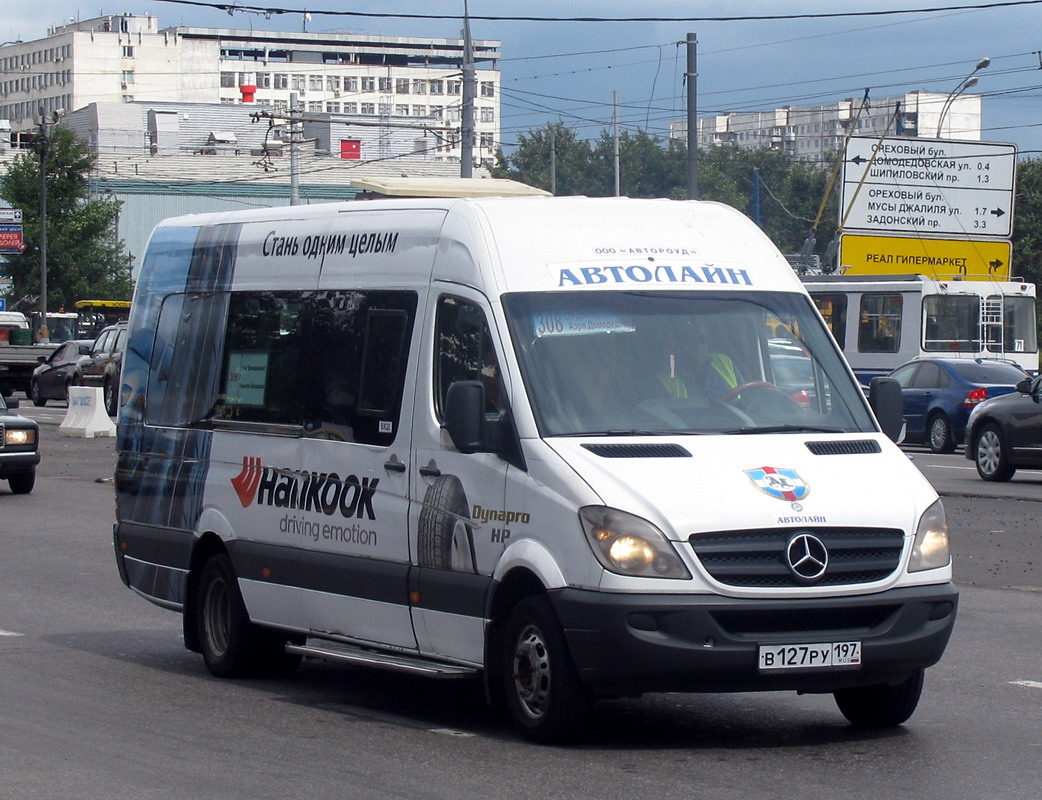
[11,215]
[940,259]
[928,186]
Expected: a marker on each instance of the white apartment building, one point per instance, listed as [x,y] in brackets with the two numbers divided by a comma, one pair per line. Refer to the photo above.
[126,58]
[816,133]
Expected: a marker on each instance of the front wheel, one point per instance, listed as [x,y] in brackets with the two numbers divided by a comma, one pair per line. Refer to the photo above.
[881,706]
[544,696]
[231,645]
[990,455]
[22,482]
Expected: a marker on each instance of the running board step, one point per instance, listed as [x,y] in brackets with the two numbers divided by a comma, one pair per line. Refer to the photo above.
[396,662]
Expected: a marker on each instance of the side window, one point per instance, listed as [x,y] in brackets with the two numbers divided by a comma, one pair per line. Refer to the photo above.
[104,343]
[332,363]
[879,328]
[929,376]
[262,374]
[356,364]
[903,376]
[951,323]
[186,359]
[833,309]
[465,352]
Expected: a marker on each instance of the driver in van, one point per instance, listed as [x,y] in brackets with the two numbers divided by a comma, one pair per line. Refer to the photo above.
[692,368]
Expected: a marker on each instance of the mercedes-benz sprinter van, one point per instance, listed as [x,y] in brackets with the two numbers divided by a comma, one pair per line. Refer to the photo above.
[577,447]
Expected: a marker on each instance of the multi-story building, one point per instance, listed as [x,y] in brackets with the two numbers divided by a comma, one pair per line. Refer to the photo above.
[815,133]
[126,58]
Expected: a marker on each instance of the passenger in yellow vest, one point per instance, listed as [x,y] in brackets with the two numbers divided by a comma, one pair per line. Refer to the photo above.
[710,374]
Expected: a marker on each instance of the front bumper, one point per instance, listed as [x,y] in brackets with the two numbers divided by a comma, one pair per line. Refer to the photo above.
[631,644]
[15,463]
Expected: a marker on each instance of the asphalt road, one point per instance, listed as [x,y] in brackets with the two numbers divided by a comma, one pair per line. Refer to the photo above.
[99,698]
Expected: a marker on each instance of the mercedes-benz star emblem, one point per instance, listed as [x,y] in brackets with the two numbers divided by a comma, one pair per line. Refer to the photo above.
[807,556]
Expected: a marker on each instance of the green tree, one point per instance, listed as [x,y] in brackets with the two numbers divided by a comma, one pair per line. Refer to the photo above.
[1027,222]
[85,257]
[791,191]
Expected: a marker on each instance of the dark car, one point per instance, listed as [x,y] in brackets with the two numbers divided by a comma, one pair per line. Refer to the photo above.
[19,448]
[106,359]
[60,370]
[940,393]
[1006,433]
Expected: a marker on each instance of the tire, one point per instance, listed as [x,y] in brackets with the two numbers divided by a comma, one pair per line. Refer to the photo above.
[881,706]
[939,434]
[36,395]
[231,645]
[22,482]
[543,694]
[110,399]
[990,455]
[444,533]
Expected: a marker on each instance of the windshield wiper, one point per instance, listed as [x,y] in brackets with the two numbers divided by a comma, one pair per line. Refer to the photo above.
[783,429]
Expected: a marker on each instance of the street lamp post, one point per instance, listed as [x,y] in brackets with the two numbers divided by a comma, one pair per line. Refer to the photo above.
[966,83]
[43,145]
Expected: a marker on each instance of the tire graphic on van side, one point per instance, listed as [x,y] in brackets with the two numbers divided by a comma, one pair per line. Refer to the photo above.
[445,535]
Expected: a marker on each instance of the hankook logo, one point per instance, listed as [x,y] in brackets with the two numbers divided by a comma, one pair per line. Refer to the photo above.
[806,556]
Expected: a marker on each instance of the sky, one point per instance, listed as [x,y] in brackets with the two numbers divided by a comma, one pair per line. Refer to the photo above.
[569,71]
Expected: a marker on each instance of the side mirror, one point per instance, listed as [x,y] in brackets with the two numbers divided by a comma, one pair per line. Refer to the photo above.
[465,416]
[884,395]
[1024,385]
[472,431]
[12,402]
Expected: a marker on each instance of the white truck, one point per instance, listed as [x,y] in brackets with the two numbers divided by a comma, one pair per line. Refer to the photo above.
[18,356]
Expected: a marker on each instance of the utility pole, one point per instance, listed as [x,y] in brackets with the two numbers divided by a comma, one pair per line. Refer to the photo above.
[294,155]
[615,138]
[43,145]
[553,161]
[692,116]
[467,126]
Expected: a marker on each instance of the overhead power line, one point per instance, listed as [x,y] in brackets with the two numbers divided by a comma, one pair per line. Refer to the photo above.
[269,11]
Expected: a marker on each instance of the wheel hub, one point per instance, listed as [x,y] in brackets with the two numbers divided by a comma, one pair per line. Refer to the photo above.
[532,672]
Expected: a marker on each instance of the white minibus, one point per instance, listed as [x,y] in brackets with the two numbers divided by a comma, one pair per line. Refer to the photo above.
[572,447]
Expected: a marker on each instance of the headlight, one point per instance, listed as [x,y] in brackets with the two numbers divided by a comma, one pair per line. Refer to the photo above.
[930,549]
[628,545]
[19,436]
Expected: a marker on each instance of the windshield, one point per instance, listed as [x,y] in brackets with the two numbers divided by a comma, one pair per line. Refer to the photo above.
[639,363]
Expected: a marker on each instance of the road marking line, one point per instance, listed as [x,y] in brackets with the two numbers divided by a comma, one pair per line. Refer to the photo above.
[1029,684]
[10,633]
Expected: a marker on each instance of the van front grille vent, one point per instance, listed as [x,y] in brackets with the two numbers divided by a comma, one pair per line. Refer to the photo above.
[761,558]
[844,448]
[638,450]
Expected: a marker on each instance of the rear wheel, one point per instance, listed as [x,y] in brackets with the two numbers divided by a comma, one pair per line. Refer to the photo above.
[991,457]
[73,381]
[939,434]
[35,394]
[881,706]
[22,482]
[545,698]
[231,645]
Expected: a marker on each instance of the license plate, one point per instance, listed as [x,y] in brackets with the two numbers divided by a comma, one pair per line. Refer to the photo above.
[826,655]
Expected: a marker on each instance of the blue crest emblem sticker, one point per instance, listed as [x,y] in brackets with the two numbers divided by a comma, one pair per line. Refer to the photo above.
[783,484]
